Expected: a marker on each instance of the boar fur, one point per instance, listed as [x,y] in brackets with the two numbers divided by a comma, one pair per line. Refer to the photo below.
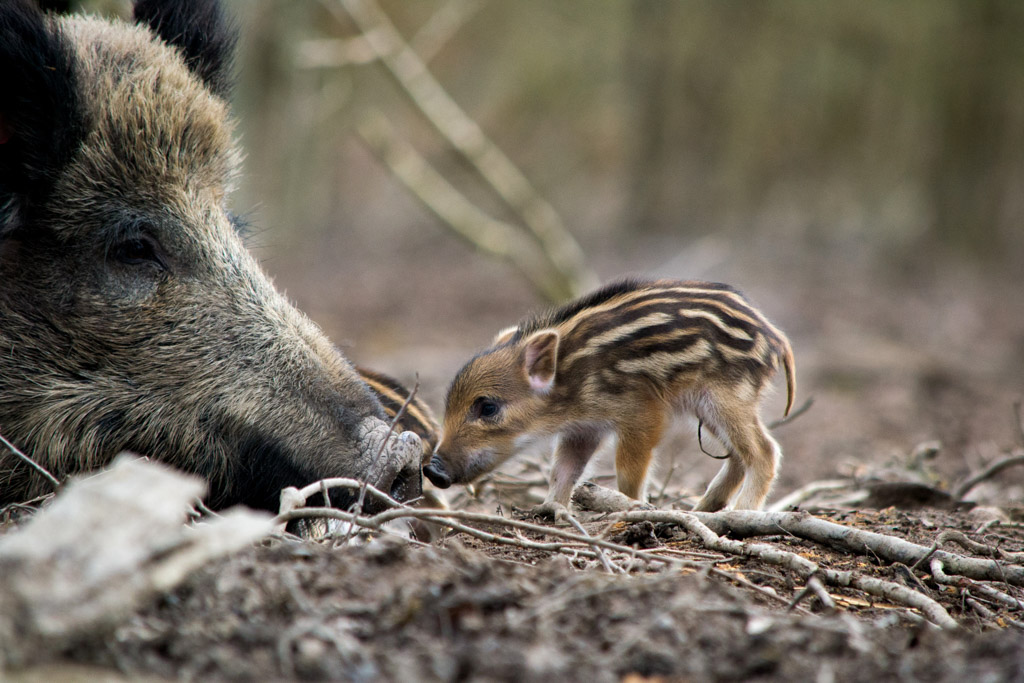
[131,315]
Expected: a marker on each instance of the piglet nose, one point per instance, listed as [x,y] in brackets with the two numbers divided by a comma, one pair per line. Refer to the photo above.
[437,474]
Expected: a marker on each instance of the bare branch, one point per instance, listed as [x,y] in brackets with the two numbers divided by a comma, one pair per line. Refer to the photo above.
[442,25]
[992,470]
[452,517]
[608,566]
[597,498]
[940,576]
[465,136]
[493,237]
[983,549]
[814,587]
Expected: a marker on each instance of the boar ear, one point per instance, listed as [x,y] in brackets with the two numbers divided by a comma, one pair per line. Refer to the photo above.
[40,115]
[201,30]
[539,360]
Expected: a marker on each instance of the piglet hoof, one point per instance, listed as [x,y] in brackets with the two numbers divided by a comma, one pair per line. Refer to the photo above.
[551,510]
[390,461]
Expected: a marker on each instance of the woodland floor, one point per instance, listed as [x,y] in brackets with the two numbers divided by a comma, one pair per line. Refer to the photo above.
[464,609]
[941,362]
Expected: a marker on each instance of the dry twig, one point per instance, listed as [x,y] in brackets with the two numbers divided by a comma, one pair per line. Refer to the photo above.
[608,566]
[747,523]
[453,518]
[32,463]
[814,587]
[941,577]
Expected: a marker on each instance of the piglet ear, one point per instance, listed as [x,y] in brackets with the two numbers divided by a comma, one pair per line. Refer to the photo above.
[201,30]
[539,360]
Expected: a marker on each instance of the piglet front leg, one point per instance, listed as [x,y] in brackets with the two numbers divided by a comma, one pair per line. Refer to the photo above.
[572,454]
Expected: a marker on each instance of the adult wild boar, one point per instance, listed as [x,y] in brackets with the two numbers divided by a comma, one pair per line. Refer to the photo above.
[131,315]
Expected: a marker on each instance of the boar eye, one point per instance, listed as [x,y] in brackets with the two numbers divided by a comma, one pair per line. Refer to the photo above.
[136,251]
[485,408]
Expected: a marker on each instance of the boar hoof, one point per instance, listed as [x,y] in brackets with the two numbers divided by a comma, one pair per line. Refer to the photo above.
[390,461]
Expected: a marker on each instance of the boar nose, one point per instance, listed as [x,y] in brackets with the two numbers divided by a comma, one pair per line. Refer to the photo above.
[437,474]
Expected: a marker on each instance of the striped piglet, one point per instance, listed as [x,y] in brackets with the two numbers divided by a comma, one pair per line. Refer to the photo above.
[622,360]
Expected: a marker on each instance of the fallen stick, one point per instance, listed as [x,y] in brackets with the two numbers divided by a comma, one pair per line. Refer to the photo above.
[808,570]
[979,589]
[595,498]
[452,517]
[748,523]
[605,562]
[813,587]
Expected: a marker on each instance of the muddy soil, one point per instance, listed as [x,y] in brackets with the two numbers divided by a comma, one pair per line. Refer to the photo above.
[942,361]
[390,610]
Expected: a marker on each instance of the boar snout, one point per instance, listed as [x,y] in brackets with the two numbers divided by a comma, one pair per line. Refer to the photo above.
[437,474]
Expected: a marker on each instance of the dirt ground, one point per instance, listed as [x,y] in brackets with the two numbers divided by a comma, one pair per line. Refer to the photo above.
[461,610]
[895,363]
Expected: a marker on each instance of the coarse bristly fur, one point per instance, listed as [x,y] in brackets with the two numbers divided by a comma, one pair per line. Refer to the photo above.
[131,315]
[622,360]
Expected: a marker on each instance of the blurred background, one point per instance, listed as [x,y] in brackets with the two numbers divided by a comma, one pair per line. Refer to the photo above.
[856,167]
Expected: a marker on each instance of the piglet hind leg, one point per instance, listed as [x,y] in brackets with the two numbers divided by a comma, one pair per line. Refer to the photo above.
[753,454]
[730,414]
[763,455]
[572,454]
[723,486]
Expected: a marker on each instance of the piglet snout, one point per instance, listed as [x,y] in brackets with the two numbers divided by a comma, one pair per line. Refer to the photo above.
[437,474]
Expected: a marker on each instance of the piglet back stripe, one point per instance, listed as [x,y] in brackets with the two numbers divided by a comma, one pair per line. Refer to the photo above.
[393,396]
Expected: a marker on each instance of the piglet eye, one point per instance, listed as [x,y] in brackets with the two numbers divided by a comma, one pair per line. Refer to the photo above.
[136,251]
[486,408]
